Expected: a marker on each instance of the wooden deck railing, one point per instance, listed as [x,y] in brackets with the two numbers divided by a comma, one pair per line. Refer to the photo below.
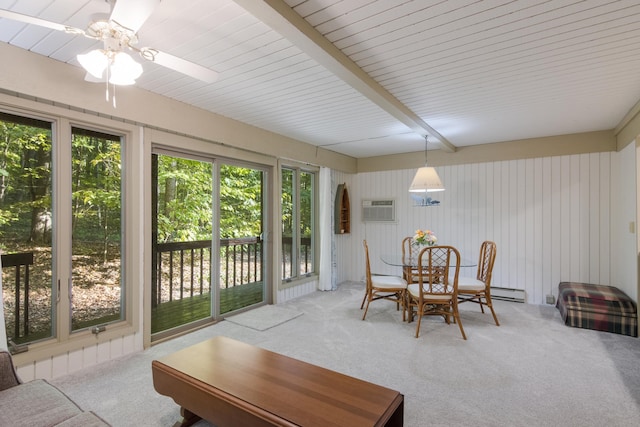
[306,256]
[21,262]
[184,266]
[184,270]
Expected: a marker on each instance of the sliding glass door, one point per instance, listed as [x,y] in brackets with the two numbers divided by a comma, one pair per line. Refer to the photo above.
[207,247]
[241,237]
[182,246]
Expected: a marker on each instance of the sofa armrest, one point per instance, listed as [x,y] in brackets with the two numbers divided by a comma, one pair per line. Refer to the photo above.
[8,375]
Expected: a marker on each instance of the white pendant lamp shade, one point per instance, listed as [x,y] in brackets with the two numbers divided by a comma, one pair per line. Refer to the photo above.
[123,70]
[426,180]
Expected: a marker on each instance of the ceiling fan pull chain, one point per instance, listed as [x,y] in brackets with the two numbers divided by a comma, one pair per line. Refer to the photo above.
[106,82]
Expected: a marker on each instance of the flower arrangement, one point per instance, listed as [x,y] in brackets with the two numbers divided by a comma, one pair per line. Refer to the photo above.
[425,237]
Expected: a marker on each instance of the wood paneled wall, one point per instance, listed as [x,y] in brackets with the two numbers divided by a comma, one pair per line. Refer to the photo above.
[550,218]
[76,360]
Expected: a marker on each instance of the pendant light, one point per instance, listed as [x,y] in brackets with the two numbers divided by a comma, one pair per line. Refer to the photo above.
[426,179]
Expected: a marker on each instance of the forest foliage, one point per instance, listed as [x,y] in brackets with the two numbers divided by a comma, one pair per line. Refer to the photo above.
[26,177]
[189,203]
[186,203]
[185,190]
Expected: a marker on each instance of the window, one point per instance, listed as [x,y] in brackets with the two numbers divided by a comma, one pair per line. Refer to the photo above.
[61,229]
[298,223]
[26,219]
[96,228]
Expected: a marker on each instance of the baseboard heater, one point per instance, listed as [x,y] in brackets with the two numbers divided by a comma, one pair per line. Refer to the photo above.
[508,294]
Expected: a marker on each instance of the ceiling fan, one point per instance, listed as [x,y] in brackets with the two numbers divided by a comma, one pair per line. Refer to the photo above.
[118,32]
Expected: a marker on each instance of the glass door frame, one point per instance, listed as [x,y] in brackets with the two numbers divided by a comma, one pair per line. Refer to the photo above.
[267,252]
[255,161]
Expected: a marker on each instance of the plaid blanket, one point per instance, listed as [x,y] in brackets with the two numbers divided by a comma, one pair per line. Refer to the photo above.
[598,307]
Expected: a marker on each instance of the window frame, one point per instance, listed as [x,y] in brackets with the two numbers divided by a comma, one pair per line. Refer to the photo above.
[299,278]
[63,339]
[123,207]
[162,142]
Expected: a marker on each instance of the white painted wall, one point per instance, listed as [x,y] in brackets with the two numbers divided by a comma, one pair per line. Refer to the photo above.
[551,218]
[292,292]
[624,249]
[57,366]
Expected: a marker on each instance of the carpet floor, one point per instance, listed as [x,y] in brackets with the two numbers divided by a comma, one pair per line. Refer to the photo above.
[265,317]
[531,371]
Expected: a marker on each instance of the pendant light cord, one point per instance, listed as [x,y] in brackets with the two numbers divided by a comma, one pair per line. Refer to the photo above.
[426,143]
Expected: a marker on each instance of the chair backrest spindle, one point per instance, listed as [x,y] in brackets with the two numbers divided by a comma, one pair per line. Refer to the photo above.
[367,265]
[485,262]
[434,269]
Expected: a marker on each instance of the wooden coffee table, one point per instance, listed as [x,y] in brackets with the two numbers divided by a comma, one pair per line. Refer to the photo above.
[230,383]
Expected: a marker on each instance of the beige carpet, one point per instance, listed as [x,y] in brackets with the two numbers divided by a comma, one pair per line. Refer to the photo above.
[531,371]
[265,317]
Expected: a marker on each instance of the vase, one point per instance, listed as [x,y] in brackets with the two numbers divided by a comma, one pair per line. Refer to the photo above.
[425,244]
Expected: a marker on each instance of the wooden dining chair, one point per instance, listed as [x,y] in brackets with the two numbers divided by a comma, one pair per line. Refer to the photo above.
[436,293]
[478,289]
[391,288]
[410,254]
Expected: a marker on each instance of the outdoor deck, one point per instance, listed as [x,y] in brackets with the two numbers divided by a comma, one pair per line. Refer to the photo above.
[178,312]
[181,283]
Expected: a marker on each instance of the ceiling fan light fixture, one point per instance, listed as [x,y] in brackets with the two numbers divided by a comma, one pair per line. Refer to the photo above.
[95,62]
[118,32]
[124,70]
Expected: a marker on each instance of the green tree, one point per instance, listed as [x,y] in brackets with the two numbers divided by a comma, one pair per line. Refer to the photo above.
[306,200]
[240,202]
[287,203]
[96,189]
[185,189]
[25,176]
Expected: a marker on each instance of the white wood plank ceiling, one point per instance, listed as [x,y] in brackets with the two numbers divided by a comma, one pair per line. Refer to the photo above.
[367,78]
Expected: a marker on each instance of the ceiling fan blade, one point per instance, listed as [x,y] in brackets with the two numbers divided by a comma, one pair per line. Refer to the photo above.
[37,21]
[132,14]
[183,66]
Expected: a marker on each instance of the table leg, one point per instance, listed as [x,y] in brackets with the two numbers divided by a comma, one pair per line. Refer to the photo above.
[188,418]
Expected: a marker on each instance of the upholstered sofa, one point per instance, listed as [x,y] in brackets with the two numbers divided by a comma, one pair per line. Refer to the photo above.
[37,403]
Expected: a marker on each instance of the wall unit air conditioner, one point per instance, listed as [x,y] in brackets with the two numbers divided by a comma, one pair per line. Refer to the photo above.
[379,210]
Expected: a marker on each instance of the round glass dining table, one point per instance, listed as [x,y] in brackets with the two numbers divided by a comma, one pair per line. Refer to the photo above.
[409,263]
[399,261]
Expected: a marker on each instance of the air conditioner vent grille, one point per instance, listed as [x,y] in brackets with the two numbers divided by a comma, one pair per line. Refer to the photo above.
[381,210]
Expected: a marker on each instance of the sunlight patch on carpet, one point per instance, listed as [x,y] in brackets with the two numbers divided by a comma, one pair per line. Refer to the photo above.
[265,317]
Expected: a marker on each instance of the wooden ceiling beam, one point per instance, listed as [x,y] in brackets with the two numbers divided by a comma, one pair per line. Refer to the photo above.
[283,19]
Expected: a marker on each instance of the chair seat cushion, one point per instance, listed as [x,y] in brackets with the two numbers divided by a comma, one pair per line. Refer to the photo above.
[414,291]
[463,280]
[469,284]
[388,282]
[470,289]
